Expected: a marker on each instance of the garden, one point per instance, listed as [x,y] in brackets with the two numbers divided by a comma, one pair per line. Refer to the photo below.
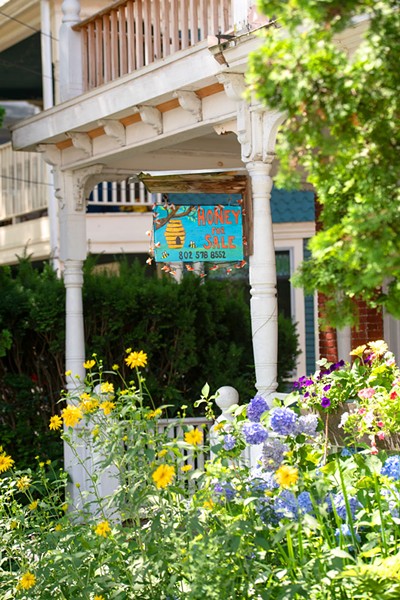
[308,519]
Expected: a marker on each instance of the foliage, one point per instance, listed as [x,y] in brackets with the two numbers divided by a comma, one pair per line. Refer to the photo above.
[367,392]
[341,133]
[191,332]
[302,523]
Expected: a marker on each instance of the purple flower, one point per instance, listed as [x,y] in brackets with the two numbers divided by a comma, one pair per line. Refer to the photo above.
[325,402]
[307,425]
[229,442]
[226,489]
[256,407]
[283,421]
[254,433]
[327,387]
[273,451]
[391,467]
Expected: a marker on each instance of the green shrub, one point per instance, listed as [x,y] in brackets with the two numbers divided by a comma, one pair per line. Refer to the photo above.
[193,332]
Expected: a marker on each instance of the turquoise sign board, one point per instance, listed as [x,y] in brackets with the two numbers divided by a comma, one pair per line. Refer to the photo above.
[212,233]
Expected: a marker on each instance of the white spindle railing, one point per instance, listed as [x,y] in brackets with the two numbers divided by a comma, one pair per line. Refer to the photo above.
[24,189]
[131,34]
[24,184]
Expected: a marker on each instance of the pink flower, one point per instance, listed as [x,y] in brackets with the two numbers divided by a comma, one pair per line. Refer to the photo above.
[380,423]
[366,393]
[393,395]
[361,411]
[381,435]
[374,450]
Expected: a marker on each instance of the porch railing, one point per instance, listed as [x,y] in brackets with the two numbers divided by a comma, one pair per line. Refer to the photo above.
[131,34]
[25,185]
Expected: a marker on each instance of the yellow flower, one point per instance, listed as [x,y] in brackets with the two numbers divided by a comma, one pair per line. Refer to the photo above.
[358,351]
[124,392]
[55,422]
[98,597]
[89,404]
[72,415]
[95,431]
[286,476]
[107,388]
[103,528]
[162,453]
[194,437]
[13,524]
[68,373]
[23,483]
[89,364]
[115,367]
[58,527]
[6,462]
[136,359]
[208,504]
[27,581]
[379,347]
[64,507]
[163,476]
[107,407]
[41,464]
[33,505]
[186,468]
[218,426]
[154,414]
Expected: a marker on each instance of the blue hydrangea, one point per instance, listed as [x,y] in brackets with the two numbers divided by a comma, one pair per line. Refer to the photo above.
[254,433]
[340,505]
[393,497]
[225,489]
[283,421]
[229,441]
[307,425]
[391,467]
[263,482]
[305,504]
[285,505]
[273,452]
[346,532]
[256,407]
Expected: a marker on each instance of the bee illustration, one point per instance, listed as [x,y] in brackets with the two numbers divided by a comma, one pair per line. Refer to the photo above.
[164,255]
[192,244]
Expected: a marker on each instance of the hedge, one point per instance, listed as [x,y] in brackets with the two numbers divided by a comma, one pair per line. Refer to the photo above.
[195,332]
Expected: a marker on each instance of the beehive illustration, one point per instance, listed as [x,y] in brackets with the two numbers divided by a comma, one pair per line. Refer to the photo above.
[175,234]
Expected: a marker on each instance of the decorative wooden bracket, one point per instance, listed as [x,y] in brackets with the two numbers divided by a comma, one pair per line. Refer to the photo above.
[51,154]
[151,116]
[234,85]
[81,141]
[115,130]
[191,102]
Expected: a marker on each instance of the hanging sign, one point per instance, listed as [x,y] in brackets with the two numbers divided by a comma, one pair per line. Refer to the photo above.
[212,233]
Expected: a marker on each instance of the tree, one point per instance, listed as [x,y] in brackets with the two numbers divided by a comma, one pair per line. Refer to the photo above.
[342,134]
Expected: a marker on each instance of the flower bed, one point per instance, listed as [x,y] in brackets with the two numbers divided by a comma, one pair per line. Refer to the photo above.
[303,523]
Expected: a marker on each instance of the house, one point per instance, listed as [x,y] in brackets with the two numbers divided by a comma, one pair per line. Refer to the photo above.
[147,86]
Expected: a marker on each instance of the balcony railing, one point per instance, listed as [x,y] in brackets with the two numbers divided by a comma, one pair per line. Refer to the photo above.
[25,185]
[131,34]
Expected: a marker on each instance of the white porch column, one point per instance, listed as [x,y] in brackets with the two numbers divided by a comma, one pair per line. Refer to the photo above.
[70,48]
[263,303]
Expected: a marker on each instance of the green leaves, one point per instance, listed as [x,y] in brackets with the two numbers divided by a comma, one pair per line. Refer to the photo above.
[342,135]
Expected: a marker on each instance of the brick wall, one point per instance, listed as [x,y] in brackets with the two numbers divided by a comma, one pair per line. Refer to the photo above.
[370,327]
